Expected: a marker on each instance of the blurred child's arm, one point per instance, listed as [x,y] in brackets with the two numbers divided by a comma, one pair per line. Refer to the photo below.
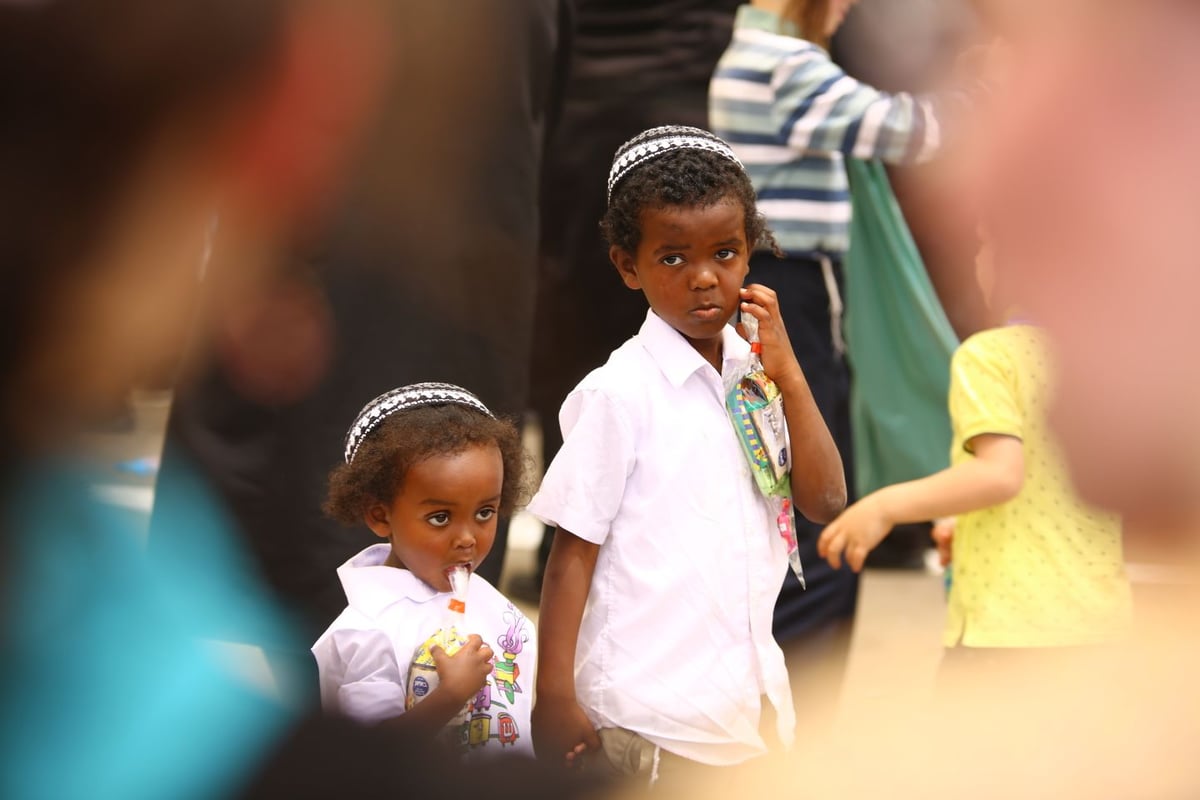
[995,475]
[560,728]
[460,677]
[819,482]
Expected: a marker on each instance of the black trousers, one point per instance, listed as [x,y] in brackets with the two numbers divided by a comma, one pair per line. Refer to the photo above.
[804,302]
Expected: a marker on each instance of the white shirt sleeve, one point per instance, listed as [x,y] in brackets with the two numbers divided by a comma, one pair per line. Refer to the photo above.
[360,676]
[583,487]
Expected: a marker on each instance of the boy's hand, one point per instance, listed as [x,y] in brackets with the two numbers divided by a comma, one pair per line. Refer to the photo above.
[855,533]
[943,539]
[778,359]
[561,728]
[463,674]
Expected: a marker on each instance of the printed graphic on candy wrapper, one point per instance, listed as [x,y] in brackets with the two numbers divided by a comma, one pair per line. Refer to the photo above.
[487,716]
[511,643]
[502,686]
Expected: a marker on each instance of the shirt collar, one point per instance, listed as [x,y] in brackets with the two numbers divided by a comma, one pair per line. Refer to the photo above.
[371,587]
[678,360]
[760,19]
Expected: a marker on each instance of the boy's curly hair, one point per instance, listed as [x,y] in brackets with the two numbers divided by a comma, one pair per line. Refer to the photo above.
[376,475]
[689,177]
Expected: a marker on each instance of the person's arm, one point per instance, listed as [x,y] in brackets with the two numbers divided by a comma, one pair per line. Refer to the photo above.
[560,727]
[995,475]
[818,478]
[819,108]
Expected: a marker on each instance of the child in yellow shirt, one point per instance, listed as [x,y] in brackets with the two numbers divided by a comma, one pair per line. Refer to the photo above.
[1033,566]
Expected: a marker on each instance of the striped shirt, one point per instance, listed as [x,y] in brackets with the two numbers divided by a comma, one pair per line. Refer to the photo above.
[792,116]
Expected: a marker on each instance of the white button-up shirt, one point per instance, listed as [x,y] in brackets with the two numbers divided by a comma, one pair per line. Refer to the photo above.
[365,655]
[675,642]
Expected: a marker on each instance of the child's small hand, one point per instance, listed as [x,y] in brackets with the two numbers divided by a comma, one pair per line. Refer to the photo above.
[856,532]
[943,538]
[778,359]
[463,674]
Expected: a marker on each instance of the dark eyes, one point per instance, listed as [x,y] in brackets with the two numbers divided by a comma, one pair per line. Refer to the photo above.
[674,260]
[441,519]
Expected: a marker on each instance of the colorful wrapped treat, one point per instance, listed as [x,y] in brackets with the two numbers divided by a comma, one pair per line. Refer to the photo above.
[422,673]
[756,408]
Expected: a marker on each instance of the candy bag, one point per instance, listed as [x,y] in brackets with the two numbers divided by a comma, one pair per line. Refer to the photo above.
[756,408]
[422,672]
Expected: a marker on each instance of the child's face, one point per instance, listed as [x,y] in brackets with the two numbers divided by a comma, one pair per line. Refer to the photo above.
[444,514]
[690,264]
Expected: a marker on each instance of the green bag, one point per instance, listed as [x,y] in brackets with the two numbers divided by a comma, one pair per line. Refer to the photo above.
[898,340]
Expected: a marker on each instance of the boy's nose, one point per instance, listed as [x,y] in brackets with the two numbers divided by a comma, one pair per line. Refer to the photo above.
[704,277]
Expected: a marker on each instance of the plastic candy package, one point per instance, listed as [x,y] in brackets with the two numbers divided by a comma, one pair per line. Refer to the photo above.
[756,408]
[422,673]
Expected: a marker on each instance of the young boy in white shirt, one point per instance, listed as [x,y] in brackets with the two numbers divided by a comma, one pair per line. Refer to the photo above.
[655,644]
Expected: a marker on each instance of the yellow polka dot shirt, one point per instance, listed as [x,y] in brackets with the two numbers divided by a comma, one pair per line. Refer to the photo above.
[1042,569]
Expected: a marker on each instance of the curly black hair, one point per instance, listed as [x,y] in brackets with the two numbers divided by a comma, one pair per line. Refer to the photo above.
[686,177]
[377,472]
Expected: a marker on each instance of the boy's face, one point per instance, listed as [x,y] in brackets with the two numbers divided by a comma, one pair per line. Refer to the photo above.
[690,264]
[444,515]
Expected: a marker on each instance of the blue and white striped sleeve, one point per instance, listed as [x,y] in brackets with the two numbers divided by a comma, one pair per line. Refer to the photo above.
[819,108]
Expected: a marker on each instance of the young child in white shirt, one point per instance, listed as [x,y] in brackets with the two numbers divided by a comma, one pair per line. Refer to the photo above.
[656,645]
[429,469]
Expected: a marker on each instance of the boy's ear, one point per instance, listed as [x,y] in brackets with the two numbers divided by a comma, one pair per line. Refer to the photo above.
[377,520]
[626,265]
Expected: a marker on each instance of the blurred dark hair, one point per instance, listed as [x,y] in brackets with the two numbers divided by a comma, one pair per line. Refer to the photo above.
[88,87]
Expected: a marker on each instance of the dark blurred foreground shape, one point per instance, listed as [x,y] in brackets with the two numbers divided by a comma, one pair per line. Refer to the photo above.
[425,271]
[127,124]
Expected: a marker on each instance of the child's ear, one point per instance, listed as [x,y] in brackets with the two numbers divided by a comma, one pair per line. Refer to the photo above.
[377,520]
[626,265]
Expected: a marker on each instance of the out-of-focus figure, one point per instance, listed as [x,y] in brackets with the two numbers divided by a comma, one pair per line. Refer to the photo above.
[127,124]
[426,271]
[1093,186]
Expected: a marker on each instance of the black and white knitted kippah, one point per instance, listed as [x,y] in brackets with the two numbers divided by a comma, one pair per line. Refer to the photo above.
[660,141]
[402,399]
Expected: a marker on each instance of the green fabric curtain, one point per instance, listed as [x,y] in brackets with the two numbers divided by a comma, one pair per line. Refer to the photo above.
[898,340]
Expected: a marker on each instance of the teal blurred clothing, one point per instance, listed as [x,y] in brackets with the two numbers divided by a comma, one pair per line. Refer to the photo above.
[110,688]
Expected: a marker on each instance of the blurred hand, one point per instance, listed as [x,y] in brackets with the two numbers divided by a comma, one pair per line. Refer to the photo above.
[943,539]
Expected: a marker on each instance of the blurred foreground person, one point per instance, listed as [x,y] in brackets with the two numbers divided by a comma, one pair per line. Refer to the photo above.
[1094,215]
[131,123]
[423,271]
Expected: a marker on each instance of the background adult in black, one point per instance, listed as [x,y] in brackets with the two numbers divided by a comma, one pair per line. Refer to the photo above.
[427,272]
[634,65]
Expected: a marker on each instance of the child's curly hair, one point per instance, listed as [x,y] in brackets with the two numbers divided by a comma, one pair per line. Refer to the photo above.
[376,474]
[686,177]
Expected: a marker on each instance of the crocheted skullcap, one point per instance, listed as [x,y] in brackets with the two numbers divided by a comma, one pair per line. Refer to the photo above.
[403,399]
[660,141]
